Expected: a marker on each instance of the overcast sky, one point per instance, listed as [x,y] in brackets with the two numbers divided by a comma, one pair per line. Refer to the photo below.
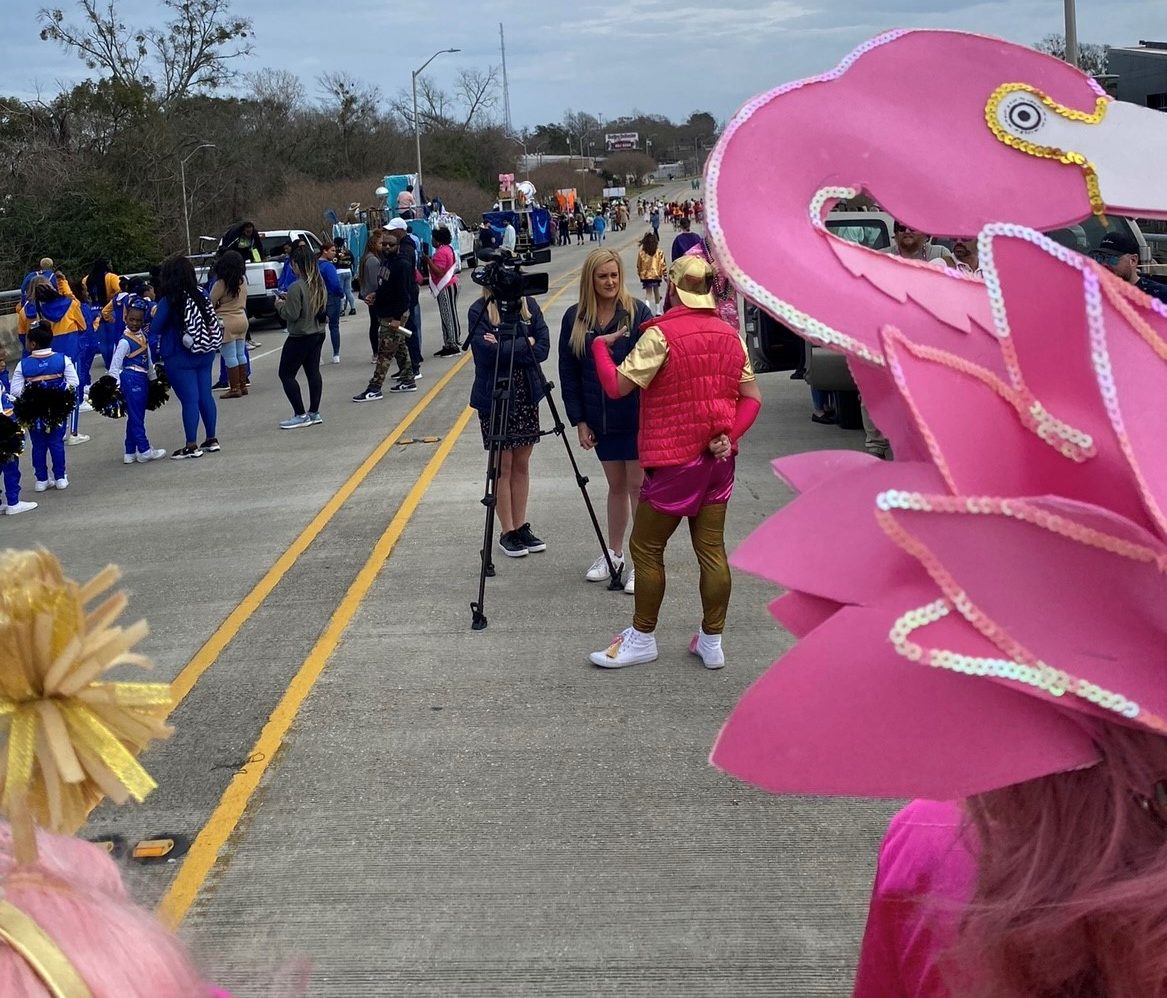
[661,56]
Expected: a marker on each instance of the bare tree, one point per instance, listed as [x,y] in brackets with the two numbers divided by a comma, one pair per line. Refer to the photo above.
[277,91]
[477,92]
[1092,58]
[189,54]
[351,106]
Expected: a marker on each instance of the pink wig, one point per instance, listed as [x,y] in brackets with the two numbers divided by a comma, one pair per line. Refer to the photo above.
[75,895]
[1071,892]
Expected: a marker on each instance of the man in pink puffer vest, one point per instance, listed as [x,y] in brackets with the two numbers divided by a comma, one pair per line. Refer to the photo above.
[698,397]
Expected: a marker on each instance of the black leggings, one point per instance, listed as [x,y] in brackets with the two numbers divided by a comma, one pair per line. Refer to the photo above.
[302,352]
[374,331]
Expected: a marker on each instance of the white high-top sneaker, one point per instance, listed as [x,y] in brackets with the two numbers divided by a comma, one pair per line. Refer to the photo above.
[630,648]
[707,647]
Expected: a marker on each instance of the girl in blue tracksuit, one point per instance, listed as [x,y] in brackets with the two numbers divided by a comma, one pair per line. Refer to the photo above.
[133,366]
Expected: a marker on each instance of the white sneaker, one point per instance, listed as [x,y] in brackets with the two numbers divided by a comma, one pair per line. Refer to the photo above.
[62,482]
[630,648]
[41,487]
[599,570]
[707,647]
[630,585]
[156,454]
[20,507]
[128,459]
[336,358]
[85,407]
[76,438]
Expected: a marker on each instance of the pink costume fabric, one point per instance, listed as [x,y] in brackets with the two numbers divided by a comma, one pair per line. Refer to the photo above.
[925,877]
[968,614]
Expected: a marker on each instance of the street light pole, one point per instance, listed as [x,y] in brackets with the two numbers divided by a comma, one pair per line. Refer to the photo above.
[416,124]
[1071,33]
[185,203]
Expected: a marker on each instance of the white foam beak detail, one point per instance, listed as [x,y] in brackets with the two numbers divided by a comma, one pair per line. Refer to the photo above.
[1128,149]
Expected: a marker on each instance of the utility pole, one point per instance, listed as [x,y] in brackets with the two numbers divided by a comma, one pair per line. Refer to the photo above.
[506,90]
[1071,33]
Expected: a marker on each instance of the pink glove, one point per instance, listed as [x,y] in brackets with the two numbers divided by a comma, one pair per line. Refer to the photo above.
[743,417]
[606,369]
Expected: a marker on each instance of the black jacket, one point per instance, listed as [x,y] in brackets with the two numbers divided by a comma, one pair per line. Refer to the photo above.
[392,298]
[527,358]
[408,252]
[583,398]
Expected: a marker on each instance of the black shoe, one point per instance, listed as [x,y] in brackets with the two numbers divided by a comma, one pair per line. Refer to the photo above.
[404,386]
[529,540]
[370,394]
[826,417]
[211,445]
[512,546]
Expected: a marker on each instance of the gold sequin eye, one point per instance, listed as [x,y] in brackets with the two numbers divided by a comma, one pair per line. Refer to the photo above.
[1021,114]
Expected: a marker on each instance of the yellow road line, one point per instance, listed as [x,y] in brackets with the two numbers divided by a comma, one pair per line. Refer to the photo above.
[205,849]
[205,657]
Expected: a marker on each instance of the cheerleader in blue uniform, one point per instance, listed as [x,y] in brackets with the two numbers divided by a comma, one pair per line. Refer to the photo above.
[133,367]
[52,370]
[56,306]
[89,345]
[10,503]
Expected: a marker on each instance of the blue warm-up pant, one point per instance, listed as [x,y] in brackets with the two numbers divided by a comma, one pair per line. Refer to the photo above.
[46,444]
[135,388]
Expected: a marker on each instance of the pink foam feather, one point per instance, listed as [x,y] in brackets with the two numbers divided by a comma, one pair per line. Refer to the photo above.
[825,720]
[801,613]
[1068,601]
[827,542]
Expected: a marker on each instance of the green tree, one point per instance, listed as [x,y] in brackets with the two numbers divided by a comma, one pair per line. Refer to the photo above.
[75,225]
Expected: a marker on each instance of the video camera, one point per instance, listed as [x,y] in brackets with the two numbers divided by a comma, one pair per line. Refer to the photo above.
[503,274]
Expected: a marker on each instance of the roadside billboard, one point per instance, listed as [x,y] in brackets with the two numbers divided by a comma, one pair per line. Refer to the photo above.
[622,140]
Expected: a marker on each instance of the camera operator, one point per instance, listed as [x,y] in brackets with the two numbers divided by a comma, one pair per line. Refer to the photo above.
[390,305]
[530,343]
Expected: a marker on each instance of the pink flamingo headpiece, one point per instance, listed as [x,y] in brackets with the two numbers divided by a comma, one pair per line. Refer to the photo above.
[1013,136]
[967,618]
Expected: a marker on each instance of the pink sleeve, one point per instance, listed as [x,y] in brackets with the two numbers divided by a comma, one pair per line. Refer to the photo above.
[923,880]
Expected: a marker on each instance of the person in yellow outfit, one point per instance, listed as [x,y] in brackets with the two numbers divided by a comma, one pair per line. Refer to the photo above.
[650,268]
[57,307]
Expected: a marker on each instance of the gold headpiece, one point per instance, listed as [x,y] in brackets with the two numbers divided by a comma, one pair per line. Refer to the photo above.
[70,738]
[66,738]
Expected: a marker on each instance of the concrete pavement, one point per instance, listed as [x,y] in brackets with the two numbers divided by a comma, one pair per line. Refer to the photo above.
[438,811]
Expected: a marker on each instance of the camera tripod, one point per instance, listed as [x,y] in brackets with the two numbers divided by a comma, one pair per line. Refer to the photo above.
[511,336]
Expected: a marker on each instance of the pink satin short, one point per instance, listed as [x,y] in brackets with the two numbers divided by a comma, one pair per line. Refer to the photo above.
[682,490]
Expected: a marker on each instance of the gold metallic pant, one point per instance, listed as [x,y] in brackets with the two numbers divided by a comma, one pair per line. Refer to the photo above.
[650,535]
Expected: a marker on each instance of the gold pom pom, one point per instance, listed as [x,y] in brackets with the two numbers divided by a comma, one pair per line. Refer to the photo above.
[67,738]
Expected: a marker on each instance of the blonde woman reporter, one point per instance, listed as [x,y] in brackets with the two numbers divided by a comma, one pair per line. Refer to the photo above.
[607,425]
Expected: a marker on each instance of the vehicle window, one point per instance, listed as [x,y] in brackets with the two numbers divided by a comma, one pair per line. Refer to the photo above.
[1086,235]
[873,235]
[1155,232]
